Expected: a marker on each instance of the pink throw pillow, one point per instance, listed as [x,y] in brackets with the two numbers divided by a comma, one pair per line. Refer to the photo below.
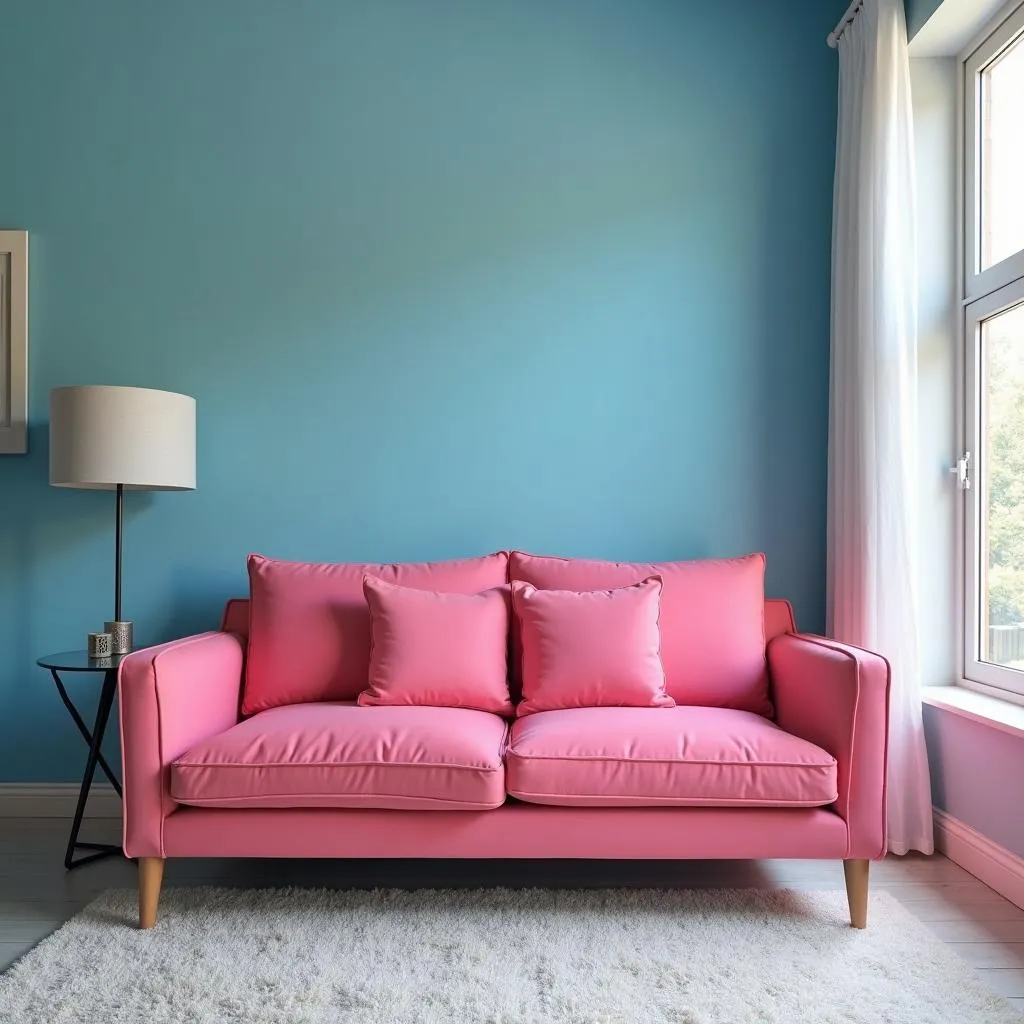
[598,648]
[442,650]
[309,624]
[712,621]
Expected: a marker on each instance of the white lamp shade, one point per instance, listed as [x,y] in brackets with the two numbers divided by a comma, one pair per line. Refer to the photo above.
[104,436]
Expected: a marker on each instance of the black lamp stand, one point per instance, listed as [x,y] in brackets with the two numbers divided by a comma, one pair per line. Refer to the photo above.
[117,552]
[120,632]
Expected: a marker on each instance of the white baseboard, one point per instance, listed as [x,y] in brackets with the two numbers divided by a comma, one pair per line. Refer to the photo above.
[56,800]
[993,864]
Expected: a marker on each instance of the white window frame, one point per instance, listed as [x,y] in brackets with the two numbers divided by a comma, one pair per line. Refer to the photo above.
[983,294]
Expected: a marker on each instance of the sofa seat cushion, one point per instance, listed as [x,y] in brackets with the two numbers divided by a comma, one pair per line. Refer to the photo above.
[341,755]
[687,756]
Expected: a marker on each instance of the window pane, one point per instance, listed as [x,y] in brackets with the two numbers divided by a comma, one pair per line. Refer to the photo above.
[1002,156]
[1002,489]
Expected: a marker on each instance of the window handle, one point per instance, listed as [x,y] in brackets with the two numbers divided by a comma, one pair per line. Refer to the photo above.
[962,471]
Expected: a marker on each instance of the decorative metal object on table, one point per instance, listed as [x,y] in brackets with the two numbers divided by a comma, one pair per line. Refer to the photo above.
[100,645]
[121,636]
[79,661]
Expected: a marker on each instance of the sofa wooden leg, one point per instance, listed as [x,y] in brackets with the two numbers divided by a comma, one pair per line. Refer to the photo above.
[856,872]
[151,874]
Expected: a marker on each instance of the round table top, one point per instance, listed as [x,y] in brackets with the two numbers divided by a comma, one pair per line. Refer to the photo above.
[79,661]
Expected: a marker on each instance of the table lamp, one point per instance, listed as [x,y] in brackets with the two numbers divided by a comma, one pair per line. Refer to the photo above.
[118,439]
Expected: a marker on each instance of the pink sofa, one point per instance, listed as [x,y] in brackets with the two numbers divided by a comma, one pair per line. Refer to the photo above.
[332,779]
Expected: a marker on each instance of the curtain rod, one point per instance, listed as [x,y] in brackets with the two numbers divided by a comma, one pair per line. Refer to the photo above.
[846,19]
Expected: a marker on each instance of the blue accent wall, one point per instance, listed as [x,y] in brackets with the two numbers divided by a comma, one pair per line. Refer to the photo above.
[443,277]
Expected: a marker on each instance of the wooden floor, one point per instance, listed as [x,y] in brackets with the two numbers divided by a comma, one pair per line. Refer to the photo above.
[37,895]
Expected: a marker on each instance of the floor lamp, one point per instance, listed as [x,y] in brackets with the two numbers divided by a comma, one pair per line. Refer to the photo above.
[118,439]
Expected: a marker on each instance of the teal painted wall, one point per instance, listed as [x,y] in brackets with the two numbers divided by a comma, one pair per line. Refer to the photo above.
[918,12]
[443,277]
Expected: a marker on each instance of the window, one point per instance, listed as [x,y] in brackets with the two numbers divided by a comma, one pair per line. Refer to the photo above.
[992,468]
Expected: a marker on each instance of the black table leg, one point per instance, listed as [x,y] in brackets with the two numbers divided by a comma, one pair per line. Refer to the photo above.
[84,729]
[95,740]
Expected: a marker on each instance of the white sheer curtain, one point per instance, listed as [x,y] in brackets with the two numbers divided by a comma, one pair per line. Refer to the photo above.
[872,513]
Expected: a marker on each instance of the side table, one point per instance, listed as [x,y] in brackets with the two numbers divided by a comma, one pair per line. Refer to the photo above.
[79,661]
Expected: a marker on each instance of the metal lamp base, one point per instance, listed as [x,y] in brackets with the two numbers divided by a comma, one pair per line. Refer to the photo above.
[120,636]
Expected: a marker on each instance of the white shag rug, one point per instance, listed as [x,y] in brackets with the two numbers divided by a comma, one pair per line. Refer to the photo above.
[495,956]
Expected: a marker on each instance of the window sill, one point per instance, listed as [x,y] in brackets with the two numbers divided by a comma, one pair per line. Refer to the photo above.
[979,707]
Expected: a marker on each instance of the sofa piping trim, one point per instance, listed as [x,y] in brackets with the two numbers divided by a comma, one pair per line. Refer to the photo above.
[678,801]
[339,764]
[220,801]
[673,760]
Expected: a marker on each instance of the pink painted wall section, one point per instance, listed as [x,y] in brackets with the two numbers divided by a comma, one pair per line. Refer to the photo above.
[976,775]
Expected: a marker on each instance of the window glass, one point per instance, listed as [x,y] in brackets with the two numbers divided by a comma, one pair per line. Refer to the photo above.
[1002,489]
[1002,156]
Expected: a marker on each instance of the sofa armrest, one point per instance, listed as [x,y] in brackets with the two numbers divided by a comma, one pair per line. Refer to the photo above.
[837,696]
[171,697]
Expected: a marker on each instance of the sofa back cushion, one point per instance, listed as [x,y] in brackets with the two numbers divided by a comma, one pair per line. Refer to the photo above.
[595,648]
[778,618]
[309,624]
[712,620]
[438,650]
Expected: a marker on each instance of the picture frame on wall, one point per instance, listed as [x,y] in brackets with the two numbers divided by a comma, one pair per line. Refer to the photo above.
[13,342]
